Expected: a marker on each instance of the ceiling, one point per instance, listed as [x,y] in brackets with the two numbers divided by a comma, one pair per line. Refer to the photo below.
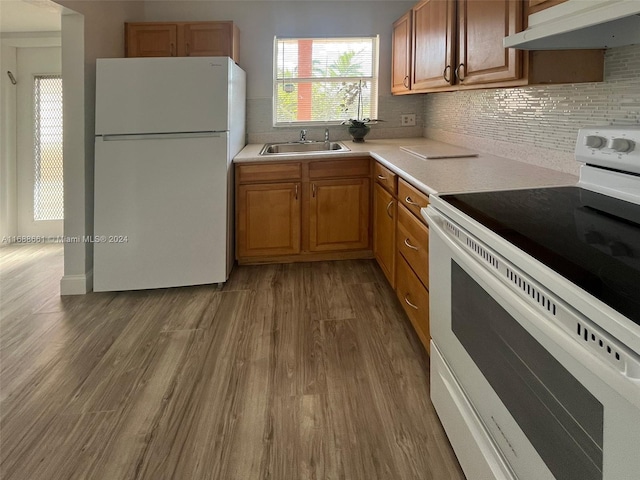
[29,16]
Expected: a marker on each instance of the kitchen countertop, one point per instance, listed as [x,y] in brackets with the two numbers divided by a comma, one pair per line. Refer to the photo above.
[445,175]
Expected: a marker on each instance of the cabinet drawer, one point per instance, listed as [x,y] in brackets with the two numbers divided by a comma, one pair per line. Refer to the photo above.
[347,167]
[386,178]
[412,198]
[268,172]
[414,299]
[413,243]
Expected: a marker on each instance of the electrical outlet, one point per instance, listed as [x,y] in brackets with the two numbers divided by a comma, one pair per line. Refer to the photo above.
[408,119]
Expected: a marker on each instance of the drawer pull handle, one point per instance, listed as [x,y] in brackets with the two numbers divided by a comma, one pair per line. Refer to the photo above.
[405,81]
[388,207]
[171,50]
[296,195]
[408,244]
[406,300]
[381,177]
[411,202]
[444,74]
[188,53]
[313,190]
[458,72]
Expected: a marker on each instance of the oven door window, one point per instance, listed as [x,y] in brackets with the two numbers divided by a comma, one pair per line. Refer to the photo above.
[560,417]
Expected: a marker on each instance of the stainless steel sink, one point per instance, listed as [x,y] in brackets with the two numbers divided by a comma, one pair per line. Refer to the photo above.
[303,148]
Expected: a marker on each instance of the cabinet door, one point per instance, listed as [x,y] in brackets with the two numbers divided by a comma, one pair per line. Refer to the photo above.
[384,231]
[339,214]
[482,24]
[268,219]
[413,243]
[433,50]
[208,39]
[401,54]
[414,298]
[151,40]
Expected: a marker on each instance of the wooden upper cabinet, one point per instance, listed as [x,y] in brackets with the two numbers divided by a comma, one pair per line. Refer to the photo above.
[182,39]
[482,24]
[401,55]
[433,38]
[458,44]
[151,40]
[211,39]
[537,5]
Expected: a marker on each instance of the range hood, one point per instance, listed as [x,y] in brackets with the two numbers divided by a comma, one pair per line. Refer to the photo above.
[581,24]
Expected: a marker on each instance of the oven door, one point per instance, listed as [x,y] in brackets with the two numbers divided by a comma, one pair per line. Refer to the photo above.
[518,395]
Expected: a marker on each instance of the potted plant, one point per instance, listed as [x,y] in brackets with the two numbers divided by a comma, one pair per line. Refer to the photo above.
[358,127]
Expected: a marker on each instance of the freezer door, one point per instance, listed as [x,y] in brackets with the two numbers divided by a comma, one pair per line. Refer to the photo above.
[162,95]
[160,212]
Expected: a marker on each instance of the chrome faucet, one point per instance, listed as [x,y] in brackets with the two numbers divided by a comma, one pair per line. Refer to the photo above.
[326,135]
[303,135]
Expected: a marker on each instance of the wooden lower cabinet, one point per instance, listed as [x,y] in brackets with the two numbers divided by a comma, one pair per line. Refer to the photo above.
[413,243]
[384,231]
[268,219]
[303,210]
[339,214]
[414,298]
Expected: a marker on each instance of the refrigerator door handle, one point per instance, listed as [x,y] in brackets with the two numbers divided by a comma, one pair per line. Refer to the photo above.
[155,136]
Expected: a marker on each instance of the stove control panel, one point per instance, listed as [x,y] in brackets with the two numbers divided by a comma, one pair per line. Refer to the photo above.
[616,147]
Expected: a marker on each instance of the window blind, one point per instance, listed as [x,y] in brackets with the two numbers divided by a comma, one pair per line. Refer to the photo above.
[325,80]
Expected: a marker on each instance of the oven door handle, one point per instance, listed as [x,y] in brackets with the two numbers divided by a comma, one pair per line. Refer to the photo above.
[626,383]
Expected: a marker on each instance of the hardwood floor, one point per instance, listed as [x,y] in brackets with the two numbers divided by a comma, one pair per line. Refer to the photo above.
[294,371]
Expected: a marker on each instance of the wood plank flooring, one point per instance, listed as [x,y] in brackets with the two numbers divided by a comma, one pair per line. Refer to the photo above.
[294,371]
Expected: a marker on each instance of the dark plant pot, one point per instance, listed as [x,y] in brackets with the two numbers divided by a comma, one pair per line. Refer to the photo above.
[359,132]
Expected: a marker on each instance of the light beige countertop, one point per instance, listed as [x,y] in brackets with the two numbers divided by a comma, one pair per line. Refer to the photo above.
[444,175]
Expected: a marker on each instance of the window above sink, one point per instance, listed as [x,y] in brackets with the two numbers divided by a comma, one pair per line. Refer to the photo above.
[324,80]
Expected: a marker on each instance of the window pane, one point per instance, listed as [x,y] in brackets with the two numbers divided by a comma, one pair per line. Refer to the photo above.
[325,80]
[314,58]
[323,101]
[48,203]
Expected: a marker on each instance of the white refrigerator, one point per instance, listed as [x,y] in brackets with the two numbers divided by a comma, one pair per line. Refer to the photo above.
[167,130]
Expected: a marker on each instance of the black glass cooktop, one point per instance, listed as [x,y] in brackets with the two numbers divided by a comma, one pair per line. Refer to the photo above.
[590,239]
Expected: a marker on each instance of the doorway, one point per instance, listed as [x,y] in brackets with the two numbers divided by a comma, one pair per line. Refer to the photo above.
[31,123]
[40,199]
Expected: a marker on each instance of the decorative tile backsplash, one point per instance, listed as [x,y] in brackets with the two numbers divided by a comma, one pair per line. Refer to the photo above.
[538,124]
[260,127]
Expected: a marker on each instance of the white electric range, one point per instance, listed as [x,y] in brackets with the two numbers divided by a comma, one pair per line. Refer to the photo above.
[535,321]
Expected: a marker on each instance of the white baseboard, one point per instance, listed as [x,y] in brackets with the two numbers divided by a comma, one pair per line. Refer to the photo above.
[76,284]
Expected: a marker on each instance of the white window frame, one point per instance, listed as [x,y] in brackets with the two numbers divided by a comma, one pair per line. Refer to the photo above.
[373,80]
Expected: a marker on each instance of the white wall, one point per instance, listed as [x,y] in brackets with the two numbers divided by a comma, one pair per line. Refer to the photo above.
[31,62]
[260,21]
[90,30]
[8,150]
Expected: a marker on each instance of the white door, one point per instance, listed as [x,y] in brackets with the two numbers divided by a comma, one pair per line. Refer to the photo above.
[40,203]
[160,212]
[162,95]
